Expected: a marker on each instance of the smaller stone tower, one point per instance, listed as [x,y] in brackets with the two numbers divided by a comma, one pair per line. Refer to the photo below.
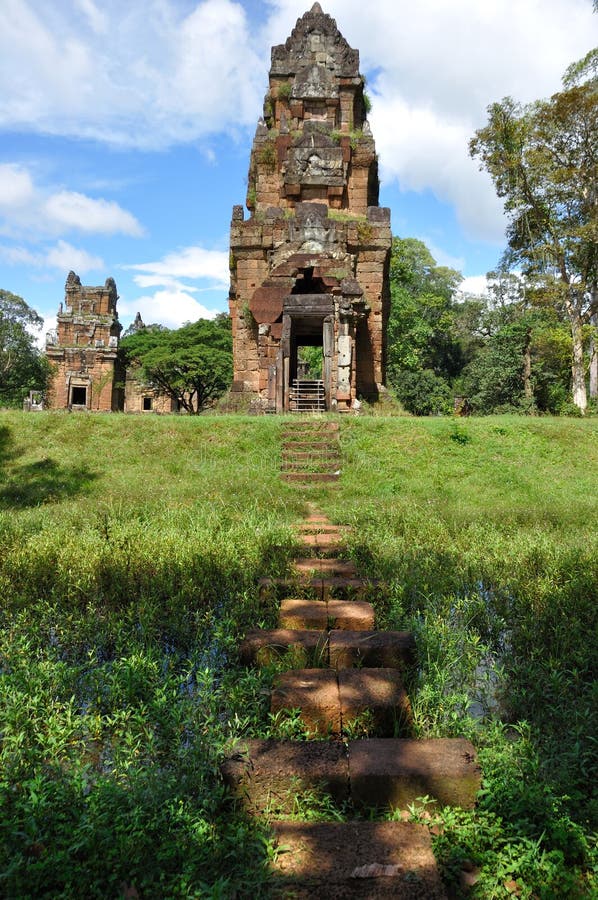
[84,349]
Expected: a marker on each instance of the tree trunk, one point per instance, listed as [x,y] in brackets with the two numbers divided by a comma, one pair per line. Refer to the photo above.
[594,359]
[527,366]
[577,368]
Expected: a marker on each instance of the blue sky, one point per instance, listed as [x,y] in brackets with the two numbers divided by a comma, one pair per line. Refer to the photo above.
[125,131]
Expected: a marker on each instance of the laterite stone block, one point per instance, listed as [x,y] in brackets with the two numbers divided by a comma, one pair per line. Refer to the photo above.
[379,692]
[264,647]
[315,692]
[269,774]
[394,772]
[353,615]
[303,614]
[374,649]
[355,861]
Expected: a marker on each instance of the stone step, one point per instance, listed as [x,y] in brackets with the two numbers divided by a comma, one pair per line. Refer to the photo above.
[309,467]
[309,476]
[293,455]
[394,772]
[303,442]
[357,860]
[374,649]
[352,615]
[327,438]
[311,426]
[318,588]
[321,526]
[298,613]
[270,773]
[333,702]
[308,647]
[338,649]
[310,565]
[323,544]
[375,773]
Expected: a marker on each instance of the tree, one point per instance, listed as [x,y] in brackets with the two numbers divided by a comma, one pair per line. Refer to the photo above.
[22,367]
[543,159]
[424,352]
[192,364]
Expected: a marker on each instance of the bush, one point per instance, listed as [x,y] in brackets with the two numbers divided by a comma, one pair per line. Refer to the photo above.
[424,393]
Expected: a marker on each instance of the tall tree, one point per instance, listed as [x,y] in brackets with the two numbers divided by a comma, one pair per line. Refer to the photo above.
[423,349]
[22,367]
[192,364]
[543,159]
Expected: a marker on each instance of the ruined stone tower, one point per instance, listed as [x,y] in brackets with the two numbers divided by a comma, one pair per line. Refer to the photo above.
[84,348]
[309,268]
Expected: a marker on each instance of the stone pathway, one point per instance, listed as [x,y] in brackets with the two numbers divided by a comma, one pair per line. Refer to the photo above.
[310,451]
[344,675]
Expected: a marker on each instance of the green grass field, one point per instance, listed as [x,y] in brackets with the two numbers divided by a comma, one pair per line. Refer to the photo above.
[130,548]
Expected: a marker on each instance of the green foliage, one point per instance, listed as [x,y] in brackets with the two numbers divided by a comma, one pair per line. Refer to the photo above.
[22,367]
[284,90]
[267,156]
[313,357]
[423,392]
[423,347]
[542,159]
[493,382]
[192,364]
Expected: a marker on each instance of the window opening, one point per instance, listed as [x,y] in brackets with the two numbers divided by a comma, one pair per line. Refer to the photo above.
[79,396]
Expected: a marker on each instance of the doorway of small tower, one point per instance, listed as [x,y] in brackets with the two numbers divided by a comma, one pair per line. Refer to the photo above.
[309,375]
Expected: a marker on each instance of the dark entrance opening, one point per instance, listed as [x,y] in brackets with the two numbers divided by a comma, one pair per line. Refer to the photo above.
[78,396]
[147,404]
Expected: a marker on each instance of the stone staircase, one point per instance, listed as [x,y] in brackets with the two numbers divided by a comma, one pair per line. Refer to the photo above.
[310,451]
[344,675]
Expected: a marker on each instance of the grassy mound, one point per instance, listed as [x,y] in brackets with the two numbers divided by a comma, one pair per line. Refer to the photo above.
[130,548]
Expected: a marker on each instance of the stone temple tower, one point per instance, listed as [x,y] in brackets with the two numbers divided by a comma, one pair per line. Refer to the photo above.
[84,349]
[309,267]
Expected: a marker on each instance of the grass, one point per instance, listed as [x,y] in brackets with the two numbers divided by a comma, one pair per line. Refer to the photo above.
[130,548]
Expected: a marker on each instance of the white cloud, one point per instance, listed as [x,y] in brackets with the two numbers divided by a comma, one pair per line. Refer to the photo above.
[98,21]
[474,284]
[65,257]
[142,74]
[153,73]
[190,262]
[71,210]
[168,307]
[441,256]
[173,304]
[16,186]
[27,207]
[61,256]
